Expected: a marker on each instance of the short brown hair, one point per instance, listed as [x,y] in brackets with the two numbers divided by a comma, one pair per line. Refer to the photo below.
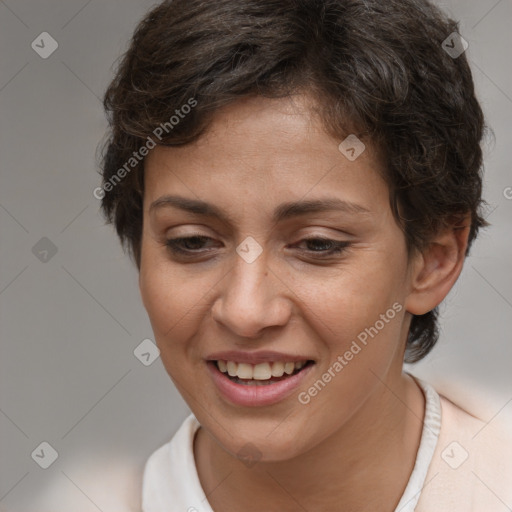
[376,69]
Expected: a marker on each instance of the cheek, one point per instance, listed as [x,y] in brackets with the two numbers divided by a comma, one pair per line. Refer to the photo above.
[358,318]
[170,301]
[360,347]
[346,302]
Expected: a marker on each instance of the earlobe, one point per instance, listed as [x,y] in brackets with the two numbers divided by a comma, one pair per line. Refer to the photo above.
[437,268]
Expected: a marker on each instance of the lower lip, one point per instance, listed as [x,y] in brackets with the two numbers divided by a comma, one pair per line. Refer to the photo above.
[254,396]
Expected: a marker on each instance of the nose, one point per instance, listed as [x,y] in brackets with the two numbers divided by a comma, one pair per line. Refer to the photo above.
[251,298]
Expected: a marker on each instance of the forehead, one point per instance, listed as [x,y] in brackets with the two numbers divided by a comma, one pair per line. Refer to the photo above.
[261,150]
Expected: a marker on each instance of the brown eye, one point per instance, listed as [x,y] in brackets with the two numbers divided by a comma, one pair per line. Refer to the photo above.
[187,245]
[324,246]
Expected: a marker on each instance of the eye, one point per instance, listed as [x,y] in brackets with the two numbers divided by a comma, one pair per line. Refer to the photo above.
[194,245]
[325,246]
[187,246]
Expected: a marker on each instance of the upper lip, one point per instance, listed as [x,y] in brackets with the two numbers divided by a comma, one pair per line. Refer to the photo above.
[264,356]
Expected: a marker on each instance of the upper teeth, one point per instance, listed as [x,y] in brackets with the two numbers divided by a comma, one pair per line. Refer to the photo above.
[262,371]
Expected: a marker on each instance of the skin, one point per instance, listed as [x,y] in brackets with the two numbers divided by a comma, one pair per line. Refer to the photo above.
[255,155]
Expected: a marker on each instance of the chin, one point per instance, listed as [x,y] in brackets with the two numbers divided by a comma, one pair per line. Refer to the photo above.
[262,442]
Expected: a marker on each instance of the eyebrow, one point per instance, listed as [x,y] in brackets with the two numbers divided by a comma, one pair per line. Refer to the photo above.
[282,212]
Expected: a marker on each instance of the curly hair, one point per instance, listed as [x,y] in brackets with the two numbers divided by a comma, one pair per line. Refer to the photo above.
[377,69]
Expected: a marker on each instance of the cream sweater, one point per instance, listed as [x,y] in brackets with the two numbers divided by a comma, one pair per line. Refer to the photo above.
[463,465]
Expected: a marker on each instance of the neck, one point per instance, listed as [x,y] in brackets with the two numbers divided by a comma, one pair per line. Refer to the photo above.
[365,464]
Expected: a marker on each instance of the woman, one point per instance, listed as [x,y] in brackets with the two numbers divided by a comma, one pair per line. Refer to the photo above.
[299,184]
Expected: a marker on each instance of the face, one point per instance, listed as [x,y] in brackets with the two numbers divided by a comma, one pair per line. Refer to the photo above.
[271,282]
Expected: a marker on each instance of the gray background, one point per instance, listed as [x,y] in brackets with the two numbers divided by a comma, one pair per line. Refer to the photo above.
[69,325]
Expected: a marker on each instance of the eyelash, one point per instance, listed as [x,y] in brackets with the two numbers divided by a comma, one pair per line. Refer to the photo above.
[174,244]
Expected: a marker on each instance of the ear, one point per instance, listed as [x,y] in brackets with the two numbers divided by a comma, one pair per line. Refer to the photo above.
[435,270]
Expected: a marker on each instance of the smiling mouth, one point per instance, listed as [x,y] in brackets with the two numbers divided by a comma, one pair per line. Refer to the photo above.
[262,374]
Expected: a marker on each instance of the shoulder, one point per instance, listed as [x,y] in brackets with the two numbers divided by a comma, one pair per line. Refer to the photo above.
[471,469]
[169,473]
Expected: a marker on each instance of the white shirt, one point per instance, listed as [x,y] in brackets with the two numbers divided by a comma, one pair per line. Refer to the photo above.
[462,465]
